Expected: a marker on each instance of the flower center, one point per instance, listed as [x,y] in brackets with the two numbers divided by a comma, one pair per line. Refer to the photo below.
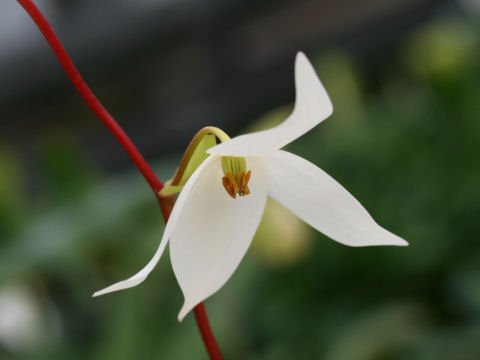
[236,177]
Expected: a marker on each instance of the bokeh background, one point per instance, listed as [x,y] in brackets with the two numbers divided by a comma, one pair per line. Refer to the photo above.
[75,215]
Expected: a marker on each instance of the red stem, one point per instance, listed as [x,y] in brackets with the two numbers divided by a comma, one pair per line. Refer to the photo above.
[206,331]
[166,204]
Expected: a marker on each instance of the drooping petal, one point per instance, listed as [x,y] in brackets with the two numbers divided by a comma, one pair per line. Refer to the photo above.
[312,106]
[176,212]
[214,231]
[323,203]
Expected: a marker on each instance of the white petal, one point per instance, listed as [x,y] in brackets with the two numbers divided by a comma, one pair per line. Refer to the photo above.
[312,106]
[214,231]
[176,211]
[323,203]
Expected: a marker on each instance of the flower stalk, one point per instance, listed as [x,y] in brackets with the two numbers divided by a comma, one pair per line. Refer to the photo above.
[166,202]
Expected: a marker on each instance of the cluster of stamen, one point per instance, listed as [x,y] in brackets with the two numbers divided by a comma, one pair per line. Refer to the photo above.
[237,185]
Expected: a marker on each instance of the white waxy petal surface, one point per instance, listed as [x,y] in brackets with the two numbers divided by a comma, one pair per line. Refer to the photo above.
[312,106]
[213,232]
[142,274]
[319,200]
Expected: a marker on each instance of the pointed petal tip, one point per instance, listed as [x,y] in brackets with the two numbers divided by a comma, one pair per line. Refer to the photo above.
[300,56]
[396,241]
[402,242]
[301,62]
[121,285]
[107,290]
[306,77]
[186,308]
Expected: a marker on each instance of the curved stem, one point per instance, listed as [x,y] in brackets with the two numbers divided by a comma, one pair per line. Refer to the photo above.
[88,96]
[166,203]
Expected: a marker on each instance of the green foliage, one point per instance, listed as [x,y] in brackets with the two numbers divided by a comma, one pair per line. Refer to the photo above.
[407,148]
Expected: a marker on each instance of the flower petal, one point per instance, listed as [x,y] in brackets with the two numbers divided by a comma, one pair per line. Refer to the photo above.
[323,203]
[176,211]
[312,106]
[214,231]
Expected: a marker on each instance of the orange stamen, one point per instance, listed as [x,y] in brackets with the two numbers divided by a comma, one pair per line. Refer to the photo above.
[228,187]
[233,183]
[238,184]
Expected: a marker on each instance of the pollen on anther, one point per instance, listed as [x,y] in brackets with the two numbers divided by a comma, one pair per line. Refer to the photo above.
[237,184]
[233,183]
[228,187]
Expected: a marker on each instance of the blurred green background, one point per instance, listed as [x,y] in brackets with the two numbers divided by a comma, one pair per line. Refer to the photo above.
[404,139]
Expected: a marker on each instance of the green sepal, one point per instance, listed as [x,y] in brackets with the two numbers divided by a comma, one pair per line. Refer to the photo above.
[199,155]
[169,190]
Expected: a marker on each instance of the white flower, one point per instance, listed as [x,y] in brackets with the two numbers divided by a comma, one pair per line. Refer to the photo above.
[210,232]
